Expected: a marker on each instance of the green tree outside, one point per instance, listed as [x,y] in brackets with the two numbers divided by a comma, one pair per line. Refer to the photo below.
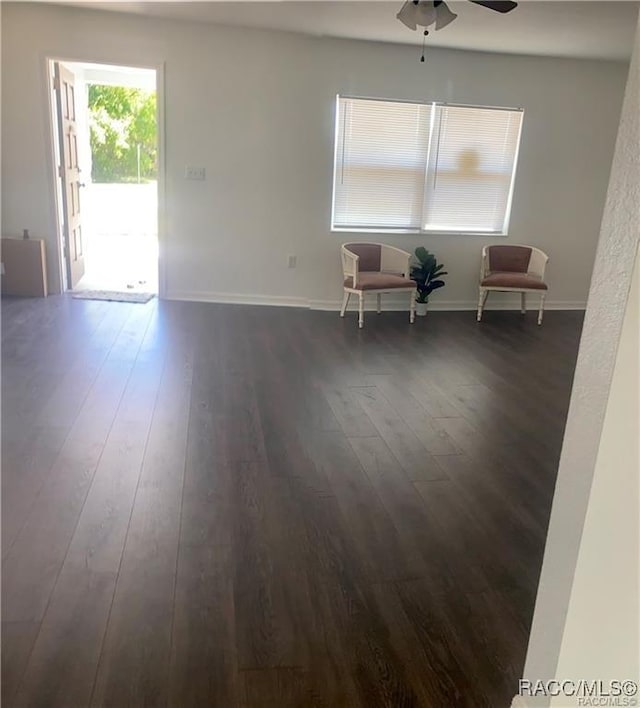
[120,119]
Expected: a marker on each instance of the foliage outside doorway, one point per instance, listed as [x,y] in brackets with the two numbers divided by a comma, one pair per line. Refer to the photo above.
[123,134]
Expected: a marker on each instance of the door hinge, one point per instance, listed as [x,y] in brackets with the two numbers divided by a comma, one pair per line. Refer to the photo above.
[60,171]
[56,83]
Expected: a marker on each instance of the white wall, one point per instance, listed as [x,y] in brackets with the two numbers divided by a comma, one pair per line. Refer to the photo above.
[586,615]
[255,108]
[601,634]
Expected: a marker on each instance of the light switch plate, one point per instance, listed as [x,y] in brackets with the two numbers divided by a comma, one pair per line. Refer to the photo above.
[197,173]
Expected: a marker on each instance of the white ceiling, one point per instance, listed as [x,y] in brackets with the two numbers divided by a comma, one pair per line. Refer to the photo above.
[597,29]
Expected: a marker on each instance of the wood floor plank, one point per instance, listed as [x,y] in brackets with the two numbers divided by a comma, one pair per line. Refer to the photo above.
[506,526]
[84,588]
[36,555]
[466,436]
[62,666]
[402,441]
[206,499]
[428,390]
[204,664]
[365,517]
[24,471]
[349,414]
[100,534]
[38,552]
[29,465]
[267,626]
[255,506]
[433,667]
[134,662]
[330,681]
[498,485]
[273,688]
[408,407]
[33,370]
[462,632]
[378,672]
[419,525]
[469,545]
[18,639]
[63,406]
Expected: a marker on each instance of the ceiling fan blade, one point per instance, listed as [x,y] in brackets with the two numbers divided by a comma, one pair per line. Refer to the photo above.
[497,5]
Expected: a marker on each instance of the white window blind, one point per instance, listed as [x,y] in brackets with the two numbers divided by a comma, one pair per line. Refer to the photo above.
[381,154]
[430,167]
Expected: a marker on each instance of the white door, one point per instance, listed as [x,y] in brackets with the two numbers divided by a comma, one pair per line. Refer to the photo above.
[69,172]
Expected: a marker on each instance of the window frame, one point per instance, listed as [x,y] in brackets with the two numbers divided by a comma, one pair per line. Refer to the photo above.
[430,232]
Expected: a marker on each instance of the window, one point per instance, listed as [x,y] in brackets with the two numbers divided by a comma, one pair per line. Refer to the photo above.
[423,166]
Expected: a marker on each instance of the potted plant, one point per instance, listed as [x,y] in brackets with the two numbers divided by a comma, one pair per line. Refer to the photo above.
[427,273]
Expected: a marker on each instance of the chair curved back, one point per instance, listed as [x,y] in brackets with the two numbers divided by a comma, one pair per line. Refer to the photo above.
[361,257]
[369,255]
[515,258]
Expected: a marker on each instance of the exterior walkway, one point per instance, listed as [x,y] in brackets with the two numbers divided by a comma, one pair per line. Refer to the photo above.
[120,225]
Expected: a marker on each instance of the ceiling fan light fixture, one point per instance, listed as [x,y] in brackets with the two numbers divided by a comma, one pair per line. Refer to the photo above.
[422,13]
[407,16]
[444,16]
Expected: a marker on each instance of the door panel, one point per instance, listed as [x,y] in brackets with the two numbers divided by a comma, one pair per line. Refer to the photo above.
[69,173]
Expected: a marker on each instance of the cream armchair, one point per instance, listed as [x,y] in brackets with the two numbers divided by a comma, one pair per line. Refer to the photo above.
[375,268]
[517,269]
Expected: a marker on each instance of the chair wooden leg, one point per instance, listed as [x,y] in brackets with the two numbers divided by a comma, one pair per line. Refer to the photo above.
[345,302]
[541,310]
[412,307]
[361,310]
[379,302]
[523,303]
[482,298]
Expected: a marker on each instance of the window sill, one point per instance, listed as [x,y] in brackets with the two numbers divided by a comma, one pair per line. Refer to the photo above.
[419,232]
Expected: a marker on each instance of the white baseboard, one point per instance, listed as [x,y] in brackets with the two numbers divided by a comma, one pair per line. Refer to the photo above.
[237,299]
[448,305]
[388,303]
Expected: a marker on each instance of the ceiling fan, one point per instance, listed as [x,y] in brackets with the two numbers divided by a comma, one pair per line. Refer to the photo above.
[428,12]
[424,13]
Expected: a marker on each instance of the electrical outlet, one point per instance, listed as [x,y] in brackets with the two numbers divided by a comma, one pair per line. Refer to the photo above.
[292,261]
[197,173]
[2,269]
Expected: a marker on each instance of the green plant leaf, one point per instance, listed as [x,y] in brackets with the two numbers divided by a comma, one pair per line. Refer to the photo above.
[120,120]
[427,275]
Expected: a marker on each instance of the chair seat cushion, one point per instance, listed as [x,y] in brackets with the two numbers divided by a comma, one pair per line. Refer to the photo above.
[503,279]
[379,281]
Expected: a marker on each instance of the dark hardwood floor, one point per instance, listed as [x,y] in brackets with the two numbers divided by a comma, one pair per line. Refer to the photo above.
[209,505]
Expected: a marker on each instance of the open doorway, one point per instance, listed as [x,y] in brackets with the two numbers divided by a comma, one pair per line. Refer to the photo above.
[106,144]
